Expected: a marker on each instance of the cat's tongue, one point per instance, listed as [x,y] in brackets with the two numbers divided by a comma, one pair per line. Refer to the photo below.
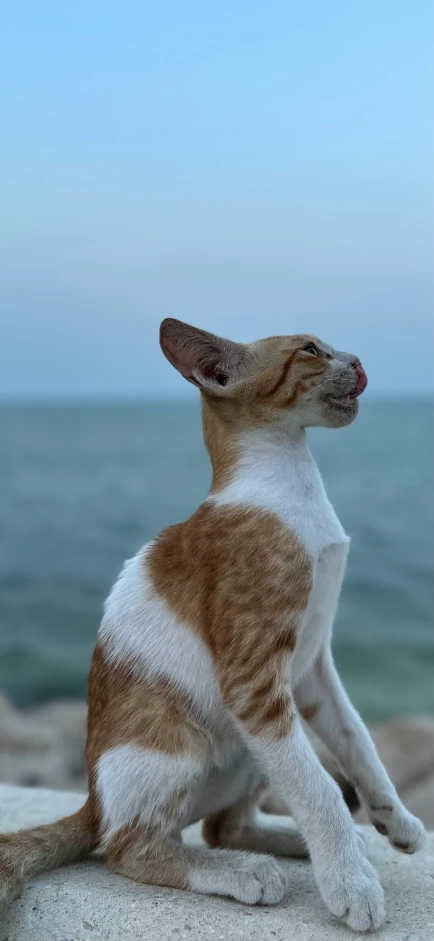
[362,381]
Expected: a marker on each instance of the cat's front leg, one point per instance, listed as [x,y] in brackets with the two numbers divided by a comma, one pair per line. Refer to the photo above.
[323,701]
[347,881]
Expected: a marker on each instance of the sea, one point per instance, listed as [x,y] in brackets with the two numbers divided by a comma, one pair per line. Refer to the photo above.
[84,485]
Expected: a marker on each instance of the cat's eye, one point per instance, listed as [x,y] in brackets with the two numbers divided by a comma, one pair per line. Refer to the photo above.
[310,348]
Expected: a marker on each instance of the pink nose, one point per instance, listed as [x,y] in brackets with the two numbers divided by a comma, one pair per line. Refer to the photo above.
[362,379]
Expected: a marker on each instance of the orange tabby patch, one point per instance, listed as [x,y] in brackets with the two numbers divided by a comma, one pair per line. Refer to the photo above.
[241,580]
[137,852]
[147,712]
[293,379]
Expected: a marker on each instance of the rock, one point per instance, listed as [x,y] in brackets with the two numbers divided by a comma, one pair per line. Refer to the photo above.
[27,807]
[19,732]
[86,902]
[45,746]
[406,746]
[420,801]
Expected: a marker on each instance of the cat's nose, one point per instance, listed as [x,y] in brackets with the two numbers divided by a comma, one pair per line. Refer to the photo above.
[362,379]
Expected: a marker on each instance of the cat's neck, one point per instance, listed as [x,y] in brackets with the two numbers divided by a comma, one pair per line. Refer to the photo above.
[265,460]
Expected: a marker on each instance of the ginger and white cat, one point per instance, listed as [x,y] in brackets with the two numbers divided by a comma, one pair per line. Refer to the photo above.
[215,640]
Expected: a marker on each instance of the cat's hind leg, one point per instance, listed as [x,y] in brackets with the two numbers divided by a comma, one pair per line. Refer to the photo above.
[143,855]
[145,796]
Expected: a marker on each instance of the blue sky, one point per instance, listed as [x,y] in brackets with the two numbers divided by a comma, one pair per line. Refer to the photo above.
[253,168]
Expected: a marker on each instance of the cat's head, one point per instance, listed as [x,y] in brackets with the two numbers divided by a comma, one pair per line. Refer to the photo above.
[288,379]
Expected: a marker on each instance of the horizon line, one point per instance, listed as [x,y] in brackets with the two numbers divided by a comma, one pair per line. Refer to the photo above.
[185,399]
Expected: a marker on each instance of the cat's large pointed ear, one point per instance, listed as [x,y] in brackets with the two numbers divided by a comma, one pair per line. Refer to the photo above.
[206,360]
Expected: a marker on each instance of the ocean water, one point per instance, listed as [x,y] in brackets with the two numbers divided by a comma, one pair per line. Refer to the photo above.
[83,486]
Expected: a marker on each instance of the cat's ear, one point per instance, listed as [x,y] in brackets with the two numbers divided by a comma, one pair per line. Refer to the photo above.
[206,360]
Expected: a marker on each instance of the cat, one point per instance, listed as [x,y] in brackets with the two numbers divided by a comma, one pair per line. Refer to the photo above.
[215,641]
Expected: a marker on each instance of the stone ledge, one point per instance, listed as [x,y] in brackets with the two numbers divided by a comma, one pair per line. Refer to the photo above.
[87,903]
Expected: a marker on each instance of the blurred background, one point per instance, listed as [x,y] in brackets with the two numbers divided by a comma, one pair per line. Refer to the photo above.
[254,169]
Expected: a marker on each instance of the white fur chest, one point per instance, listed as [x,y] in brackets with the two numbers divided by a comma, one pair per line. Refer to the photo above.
[283,478]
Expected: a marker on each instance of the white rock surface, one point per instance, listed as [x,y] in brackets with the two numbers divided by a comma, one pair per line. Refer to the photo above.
[88,903]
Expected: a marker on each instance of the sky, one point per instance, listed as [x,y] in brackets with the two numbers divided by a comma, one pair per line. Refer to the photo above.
[251,168]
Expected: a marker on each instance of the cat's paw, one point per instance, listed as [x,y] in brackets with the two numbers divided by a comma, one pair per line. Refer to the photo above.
[352,891]
[260,881]
[405,832]
[251,878]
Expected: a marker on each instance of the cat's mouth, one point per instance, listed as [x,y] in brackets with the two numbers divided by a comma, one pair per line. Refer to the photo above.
[348,398]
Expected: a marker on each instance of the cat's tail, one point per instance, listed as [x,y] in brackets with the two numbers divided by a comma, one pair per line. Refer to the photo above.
[28,852]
